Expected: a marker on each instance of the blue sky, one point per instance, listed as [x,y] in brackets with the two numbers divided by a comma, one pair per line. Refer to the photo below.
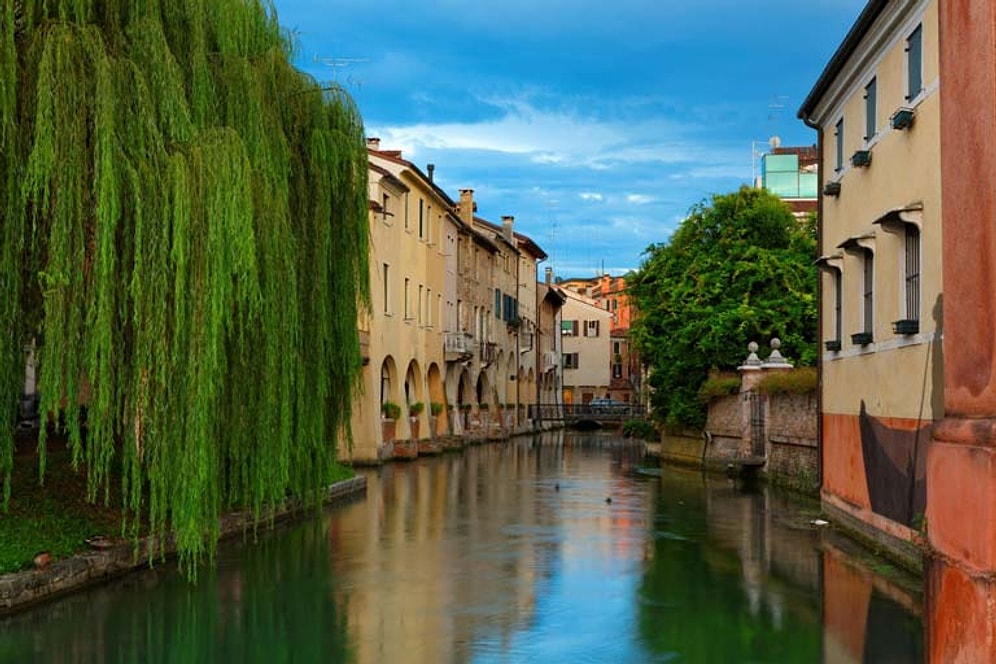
[596,124]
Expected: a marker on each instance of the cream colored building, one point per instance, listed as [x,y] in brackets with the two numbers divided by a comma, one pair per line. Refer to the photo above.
[410,226]
[453,320]
[586,342]
[877,109]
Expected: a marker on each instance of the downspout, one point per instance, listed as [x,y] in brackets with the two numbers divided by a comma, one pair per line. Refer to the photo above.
[819,299]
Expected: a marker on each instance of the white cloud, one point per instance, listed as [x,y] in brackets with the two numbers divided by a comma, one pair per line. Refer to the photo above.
[639,199]
[591,196]
[567,138]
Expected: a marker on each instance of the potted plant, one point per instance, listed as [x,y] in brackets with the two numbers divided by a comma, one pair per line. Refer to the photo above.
[390,412]
[435,408]
[414,410]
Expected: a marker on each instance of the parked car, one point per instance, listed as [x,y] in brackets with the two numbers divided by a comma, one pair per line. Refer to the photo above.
[609,406]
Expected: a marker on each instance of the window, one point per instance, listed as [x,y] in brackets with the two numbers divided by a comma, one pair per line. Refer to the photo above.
[592,328]
[571,361]
[569,328]
[384,206]
[421,215]
[868,292]
[497,303]
[914,63]
[838,305]
[615,305]
[387,280]
[839,165]
[912,276]
[616,347]
[408,287]
[870,109]
[420,304]
[617,370]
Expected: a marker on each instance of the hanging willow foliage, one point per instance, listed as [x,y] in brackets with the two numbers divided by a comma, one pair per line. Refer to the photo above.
[183,227]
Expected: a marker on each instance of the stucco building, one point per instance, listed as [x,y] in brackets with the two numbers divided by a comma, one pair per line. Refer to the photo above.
[451,337]
[586,349]
[626,371]
[877,110]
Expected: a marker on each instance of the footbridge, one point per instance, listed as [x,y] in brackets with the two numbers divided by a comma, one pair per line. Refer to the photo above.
[571,414]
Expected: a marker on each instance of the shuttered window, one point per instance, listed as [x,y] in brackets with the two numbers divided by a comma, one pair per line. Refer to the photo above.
[914,63]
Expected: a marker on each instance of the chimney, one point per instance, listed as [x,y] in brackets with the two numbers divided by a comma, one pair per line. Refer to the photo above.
[548,274]
[467,207]
[373,143]
[506,226]
[431,169]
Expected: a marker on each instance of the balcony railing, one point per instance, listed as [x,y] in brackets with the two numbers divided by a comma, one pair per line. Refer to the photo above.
[489,352]
[458,346]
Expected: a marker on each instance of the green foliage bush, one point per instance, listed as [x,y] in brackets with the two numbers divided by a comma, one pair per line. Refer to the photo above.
[717,386]
[435,408]
[390,410]
[415,409]
[641,429]
[797,381]
[738,269]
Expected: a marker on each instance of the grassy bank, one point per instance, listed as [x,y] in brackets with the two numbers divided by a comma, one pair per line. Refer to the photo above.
[56,517]
[53,517]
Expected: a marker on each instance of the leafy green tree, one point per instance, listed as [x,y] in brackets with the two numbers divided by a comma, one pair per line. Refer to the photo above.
[183,230]
[737,270]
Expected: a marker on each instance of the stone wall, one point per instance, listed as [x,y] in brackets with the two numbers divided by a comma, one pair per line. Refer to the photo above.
[791,427]
[791,455]
[724,430]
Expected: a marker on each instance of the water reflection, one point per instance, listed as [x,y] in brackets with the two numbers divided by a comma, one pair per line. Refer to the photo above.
[546,549]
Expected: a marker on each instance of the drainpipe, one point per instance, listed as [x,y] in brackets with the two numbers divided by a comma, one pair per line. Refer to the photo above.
[819,298]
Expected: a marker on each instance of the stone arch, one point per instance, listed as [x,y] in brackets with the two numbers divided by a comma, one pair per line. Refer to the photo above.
[465,399]
[389,384]
[414,392]
[437,395]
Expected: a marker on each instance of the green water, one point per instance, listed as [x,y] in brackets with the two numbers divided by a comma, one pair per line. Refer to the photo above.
[540,550]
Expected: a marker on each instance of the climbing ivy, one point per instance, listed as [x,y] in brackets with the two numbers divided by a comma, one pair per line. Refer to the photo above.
[183,232]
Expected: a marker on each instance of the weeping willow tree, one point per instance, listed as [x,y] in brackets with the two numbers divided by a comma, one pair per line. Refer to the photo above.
[183,228]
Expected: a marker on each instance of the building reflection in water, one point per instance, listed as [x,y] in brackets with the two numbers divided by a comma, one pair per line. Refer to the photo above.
[545,549]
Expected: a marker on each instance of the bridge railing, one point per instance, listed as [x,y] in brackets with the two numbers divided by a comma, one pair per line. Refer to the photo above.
[573,412]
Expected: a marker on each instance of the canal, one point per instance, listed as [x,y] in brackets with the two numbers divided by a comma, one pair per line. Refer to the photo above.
[547,549]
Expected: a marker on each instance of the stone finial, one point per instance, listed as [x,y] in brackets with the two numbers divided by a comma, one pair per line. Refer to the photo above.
[752,359]
[776,359]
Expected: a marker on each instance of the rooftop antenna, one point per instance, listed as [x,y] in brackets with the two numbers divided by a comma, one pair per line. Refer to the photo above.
[341,63]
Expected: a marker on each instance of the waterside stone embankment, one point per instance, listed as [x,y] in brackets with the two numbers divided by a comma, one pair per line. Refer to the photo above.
[20,590]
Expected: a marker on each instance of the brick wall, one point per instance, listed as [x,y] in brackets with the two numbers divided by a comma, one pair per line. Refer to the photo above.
[790,427]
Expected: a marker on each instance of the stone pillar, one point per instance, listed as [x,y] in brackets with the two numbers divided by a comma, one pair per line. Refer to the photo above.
[961,462]
[750,376]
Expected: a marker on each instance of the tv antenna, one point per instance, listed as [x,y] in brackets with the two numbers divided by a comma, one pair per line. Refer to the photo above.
[336,64]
